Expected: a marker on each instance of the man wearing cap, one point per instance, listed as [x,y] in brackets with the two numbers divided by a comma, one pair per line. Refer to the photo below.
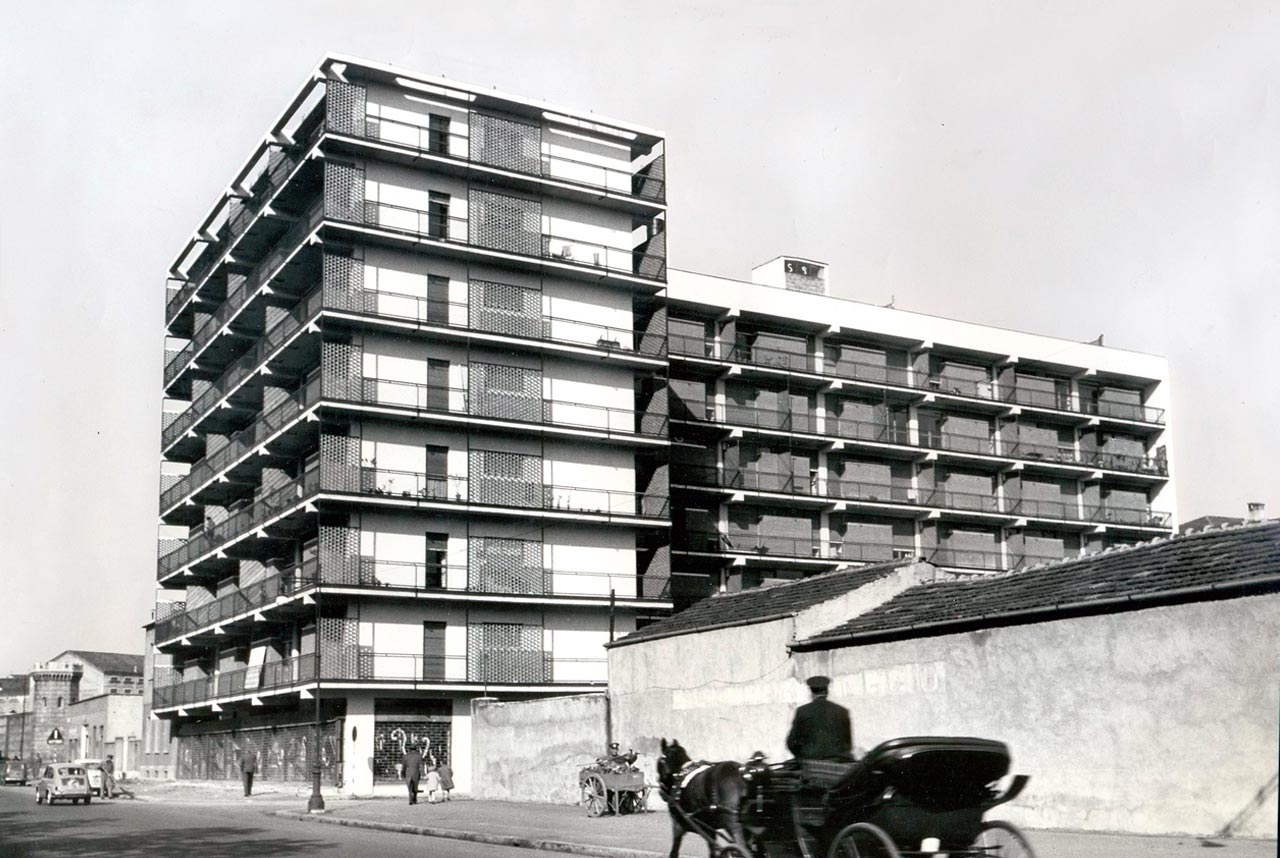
[821,730]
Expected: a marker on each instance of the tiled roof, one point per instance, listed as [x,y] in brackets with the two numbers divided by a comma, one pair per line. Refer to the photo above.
[111,662]
[1177,569]
[761,603]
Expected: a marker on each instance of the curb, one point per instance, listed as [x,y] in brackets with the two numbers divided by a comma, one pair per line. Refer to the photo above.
[473,836]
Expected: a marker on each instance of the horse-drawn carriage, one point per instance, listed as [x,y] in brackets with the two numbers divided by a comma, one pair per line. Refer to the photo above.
[919,796]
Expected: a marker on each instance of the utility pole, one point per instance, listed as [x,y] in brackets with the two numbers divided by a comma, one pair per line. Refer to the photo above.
[316,803]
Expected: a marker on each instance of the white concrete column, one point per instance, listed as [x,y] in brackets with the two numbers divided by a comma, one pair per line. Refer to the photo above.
[357,746]
[460,753]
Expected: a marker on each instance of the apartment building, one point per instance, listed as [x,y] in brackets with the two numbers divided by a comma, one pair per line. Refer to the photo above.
[415,443]
[811,432]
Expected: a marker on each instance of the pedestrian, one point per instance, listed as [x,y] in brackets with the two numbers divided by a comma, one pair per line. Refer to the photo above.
[248,767]
[433,781]
[412,765]
[109,776]
[446,779]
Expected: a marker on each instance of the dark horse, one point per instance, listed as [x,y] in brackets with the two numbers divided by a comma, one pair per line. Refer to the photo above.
[707,802]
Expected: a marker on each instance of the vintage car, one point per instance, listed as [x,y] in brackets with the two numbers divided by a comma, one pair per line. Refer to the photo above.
[15,772]
[94,768]
[63,781]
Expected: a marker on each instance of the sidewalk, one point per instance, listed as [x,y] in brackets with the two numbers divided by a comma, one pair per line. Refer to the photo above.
[225,792]
[569,829]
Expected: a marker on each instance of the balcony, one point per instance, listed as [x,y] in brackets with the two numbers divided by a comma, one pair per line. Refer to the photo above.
[356,665]
[750,479]
[1062,454]
[961,501]
[511,323]
[239,604]
[1127,462]
[645,182]
[1123,411]
[1128,516]
[239,297]
[868,430]
[418,487]
[793,361]
[967,388]
[763,545]
[242,369]
[1048,400]
[437,226]
[962,558]
[1057,510]
[768,418]
[513,408]
[762,356]
[955,442]
[240,445]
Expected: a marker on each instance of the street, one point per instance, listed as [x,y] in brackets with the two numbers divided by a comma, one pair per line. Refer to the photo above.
[136,829]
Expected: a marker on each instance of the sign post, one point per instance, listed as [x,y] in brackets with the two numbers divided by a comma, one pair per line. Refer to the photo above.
[55,740]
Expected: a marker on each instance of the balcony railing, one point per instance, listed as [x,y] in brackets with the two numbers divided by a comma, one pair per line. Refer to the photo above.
[240,216]
[1053,400]
[241,443]
[241,294]
[763,544]
[442,227]
[491,491]
[802,361]
[963,558]
[359,664]
[248,598]
[1130,516]
[292,323]
[983,445]
[768,418]
[969,388]
[872,373]
[206,538]
[868,430]
[494,320]
[1061,510]
[1061,453]
[500,405]
[638,182]
[1129,462]
[750,479]
[528,581]
[945,498]
[682,344]
[1123,410]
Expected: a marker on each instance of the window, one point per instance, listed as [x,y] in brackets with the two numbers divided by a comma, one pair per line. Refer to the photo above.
[437,215]
[437,299]
[60,699]
[438,133]
[437,386]
[436,559]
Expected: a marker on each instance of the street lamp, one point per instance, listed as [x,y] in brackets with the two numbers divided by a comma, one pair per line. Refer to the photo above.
[315,804]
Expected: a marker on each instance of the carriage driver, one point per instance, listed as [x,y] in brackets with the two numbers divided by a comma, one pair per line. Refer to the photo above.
[821,730]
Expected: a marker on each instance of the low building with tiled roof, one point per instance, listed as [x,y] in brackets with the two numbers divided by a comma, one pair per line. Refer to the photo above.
[1138,686]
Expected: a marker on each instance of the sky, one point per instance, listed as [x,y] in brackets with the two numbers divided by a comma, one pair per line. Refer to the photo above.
[1070,169]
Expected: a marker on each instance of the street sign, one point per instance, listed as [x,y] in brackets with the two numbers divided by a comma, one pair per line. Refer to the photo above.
[55,738]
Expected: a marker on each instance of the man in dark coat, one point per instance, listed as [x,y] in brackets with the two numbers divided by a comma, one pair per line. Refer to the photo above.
[248,766]
[821,730]
[413,767]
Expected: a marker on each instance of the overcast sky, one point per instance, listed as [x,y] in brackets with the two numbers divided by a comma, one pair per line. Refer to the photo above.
[1067,168]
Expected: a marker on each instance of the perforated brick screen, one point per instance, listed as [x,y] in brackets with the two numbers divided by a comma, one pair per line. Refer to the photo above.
[506,143]
[504,222]
[501,565]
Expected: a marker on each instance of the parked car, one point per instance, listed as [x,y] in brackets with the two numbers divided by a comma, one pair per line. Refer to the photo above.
[15,772]
[63,781]
[94,768]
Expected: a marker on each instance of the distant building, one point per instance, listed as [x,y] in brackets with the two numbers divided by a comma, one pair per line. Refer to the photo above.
[93,700]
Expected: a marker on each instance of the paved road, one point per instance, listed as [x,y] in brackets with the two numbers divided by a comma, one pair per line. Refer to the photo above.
[128,829]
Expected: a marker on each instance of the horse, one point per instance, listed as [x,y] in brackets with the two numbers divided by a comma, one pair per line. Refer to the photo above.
[705,799]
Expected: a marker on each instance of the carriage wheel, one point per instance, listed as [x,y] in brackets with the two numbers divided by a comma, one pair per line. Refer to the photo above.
[862,840]
[594,797]
[1001,839]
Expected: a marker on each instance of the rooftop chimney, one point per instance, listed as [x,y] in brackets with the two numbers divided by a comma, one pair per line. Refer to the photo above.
[1257,509]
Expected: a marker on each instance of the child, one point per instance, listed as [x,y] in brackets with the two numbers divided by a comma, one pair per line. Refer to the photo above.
[433,782]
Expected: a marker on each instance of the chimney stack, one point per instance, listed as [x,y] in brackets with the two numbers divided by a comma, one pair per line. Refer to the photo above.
[1256,510]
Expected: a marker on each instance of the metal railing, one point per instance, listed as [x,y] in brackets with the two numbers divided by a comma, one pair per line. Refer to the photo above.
[358,664]
[750,479]
[868,430]
[945,498]
[968,559]
[635,182]
[768,418]
[490,491]
[1062,453]
[245,600]
[1131,516]
[952,386]
[293,322]
[481,580]
[1128,462]
[801,361]
[1060,510]
[494,320]
[238,297]
[984,445]
[1122,410]
[443,227]
[516,407]
[206,538]
[1053,400]
[763,544]
[682,344]
[243,442]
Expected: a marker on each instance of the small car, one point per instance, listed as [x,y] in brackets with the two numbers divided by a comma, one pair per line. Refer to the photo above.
[94,768]
[63,781]
[15,772]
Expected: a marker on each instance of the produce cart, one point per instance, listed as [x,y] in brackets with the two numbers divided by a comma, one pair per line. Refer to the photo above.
[611,789]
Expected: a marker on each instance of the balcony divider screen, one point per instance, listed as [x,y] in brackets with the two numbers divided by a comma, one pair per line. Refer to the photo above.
[501,565]
[506,653]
